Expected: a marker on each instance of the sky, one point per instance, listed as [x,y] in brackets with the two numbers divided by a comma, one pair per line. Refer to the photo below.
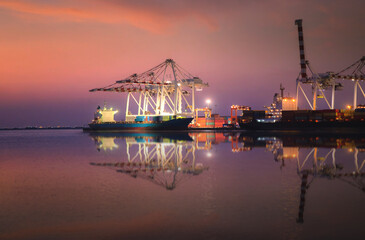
[53,52]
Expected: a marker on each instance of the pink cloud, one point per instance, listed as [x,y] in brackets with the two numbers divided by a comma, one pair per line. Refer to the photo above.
[152,19]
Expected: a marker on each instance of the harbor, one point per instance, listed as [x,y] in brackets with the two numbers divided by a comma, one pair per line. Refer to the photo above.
[163,98]
[182,120]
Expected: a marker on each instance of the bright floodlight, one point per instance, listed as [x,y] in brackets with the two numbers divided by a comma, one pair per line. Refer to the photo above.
[208,101]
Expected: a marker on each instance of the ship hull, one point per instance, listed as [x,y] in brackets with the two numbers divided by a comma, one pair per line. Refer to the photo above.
[335,126]
[174,124]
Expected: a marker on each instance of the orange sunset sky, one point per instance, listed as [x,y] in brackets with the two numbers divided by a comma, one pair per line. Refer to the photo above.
[54,51]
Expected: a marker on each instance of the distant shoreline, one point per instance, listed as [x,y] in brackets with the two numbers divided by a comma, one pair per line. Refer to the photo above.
[38,128]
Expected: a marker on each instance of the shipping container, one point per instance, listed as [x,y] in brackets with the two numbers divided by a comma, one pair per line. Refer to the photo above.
[166,118]
[359,116]
[360,110]
[140,118]
[287,116]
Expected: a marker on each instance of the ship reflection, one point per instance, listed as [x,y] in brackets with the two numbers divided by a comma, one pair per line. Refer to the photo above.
[165,160]
[105,143]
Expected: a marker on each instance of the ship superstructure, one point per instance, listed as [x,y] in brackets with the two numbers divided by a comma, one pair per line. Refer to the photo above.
[279,104]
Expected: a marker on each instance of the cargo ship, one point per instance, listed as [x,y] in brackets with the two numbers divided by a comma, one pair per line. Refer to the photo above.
[104,121]
[155,100]
[286,118]
[175,124]
[296,123]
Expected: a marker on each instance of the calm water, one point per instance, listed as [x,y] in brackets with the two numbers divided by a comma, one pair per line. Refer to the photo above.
[65,184]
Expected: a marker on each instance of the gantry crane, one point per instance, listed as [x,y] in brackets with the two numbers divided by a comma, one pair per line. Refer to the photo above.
[355,74]
[234,113]
[160,91]
[320,82]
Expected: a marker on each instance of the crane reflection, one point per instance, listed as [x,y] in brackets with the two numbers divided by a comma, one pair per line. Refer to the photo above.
[315,157]
[165,160]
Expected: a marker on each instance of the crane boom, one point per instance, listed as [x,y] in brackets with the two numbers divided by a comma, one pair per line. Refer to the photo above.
[303,64]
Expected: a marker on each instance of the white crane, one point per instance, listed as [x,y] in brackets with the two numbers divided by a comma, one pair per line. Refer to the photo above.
[160,91]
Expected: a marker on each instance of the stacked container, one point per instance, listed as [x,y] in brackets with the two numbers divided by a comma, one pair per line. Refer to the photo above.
[313,115]
[209,123]
[359,114]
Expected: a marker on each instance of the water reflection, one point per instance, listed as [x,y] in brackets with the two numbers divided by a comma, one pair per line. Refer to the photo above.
[165,160]
[260,186]
[315,157]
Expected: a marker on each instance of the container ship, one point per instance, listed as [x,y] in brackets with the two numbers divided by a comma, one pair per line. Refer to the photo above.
[104,121]
[329,120]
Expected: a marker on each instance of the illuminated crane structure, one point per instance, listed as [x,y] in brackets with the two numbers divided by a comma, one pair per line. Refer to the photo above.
[234,111]
[163,161]
[355,74]
[160,91]
[326,81]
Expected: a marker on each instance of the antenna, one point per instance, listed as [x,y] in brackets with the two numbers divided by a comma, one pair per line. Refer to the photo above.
[282,90]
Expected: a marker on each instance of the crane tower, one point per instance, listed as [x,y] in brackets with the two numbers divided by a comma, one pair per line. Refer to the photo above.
[326,81]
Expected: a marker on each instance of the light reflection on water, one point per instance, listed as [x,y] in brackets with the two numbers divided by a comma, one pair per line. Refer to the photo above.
[201,185]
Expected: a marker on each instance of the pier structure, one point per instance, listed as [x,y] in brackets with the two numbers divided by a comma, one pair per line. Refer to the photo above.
[166,90]
[319,83]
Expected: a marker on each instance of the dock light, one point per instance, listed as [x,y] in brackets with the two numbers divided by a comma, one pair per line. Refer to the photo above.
[208,101]
[349,107]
